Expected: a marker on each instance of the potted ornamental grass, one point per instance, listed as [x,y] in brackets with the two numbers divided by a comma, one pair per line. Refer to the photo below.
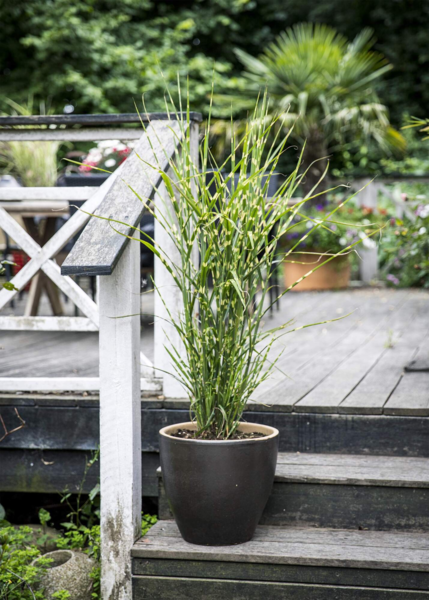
[219,469]
[333,231]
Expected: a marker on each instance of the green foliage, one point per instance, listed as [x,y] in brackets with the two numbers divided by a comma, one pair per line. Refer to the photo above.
[100,55]
[44,517]
[82,530]
[422,124]
[147,522]
[18,577]
[61,595]
[324,87]
[348,225]
[415,162]
[7,285]
[84,511]
[88,539]
[404,248]
[76,538]
[33,163]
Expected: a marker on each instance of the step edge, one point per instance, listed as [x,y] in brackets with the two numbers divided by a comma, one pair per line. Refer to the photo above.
[397,483]
[142,553]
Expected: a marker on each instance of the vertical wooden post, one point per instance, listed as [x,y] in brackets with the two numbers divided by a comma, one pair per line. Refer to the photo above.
[165,334]
[120,422]
[368,265]
[166,291]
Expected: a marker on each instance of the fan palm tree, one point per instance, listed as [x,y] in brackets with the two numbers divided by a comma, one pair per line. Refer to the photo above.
[323,86]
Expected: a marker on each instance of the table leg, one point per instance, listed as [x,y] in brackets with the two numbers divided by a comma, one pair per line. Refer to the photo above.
[40,282]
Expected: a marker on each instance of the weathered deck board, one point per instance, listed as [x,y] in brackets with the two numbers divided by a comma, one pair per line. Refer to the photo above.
[411,396]
[277,545]
[289,574]
[300,348]
[65,354]
[371,395]
[353,469]
[337,386]
[163,588]
[309,375]
[345,367]
[420,361]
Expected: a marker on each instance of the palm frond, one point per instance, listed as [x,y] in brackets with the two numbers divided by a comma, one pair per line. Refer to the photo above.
[314,72]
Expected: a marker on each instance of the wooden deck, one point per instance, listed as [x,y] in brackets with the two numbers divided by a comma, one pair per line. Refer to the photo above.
[351,366]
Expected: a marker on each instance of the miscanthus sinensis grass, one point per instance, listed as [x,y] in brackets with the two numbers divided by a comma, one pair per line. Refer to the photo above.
[222,215]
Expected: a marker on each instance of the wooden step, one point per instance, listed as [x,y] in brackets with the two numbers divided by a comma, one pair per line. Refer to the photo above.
[384,435]
[345,492]
[292,563]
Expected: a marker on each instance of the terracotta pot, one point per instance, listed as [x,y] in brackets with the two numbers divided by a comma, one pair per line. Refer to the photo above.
[335,275]
[217,490]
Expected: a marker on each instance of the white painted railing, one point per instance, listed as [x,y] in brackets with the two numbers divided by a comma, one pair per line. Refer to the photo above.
[124,370]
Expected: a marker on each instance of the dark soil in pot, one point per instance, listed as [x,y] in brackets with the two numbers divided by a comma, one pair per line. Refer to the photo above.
[217,490]
[188,434]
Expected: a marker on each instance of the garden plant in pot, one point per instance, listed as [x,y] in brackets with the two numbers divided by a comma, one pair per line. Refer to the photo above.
[335,227]
[218,469]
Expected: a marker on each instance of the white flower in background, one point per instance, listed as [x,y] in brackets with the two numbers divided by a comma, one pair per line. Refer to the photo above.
[342,241]
[108,144]
[94,156]
[309,225]
[424,212]
[366,241]
[113,152]
[369,244]
[422,230]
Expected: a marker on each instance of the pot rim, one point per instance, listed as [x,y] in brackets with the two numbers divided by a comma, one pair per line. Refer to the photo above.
[270,431]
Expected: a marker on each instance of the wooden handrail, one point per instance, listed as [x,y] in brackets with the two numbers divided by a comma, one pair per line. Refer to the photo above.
[109,119]
[99,247]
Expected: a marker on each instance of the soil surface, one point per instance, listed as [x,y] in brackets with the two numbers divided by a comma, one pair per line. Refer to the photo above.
[189,434]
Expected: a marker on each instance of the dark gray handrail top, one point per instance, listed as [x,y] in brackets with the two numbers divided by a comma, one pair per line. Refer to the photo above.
[107,119]
[99,246]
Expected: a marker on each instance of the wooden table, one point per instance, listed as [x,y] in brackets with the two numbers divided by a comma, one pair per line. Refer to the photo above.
[49,210]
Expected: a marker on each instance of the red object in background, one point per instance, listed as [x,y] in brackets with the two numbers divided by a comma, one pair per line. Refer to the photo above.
[20,259]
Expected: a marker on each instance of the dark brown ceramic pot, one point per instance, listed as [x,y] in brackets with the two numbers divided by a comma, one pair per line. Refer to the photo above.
[217,490]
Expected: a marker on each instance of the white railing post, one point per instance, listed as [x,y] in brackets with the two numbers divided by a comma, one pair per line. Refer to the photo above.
[368,265]
[165,334]
[120,422]
[166,292]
